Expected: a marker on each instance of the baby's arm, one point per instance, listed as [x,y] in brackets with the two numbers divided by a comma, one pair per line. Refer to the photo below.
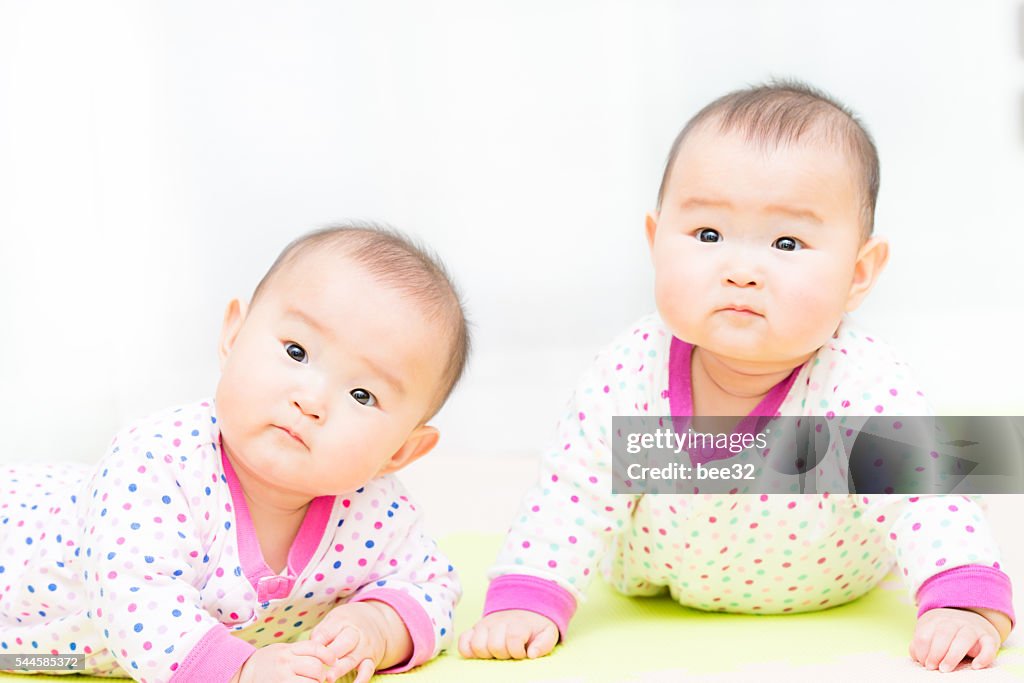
[403,617]
[947,555]
[568,518]
[142,561]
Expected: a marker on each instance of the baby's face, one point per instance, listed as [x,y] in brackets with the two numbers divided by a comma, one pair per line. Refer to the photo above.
[325,379]
[755,251]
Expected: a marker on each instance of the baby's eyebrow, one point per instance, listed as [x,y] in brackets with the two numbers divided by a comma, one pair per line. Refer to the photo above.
[792,211]
[379,370]
[795,212]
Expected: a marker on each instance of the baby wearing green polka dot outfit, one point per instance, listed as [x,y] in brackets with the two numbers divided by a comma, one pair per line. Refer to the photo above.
[761,243]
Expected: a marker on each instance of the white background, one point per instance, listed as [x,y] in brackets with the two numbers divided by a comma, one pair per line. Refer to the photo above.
[155,157]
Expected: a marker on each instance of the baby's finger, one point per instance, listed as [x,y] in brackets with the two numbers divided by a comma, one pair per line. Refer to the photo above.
[317,651]
[366,669]
[516,639]
[496,641]
[342,667]
[543,642]
[464,649]
[344,642]
[962,642]
[921,642]
[989,649]
[939,646]
[326,630]
[478,643]
[309,668]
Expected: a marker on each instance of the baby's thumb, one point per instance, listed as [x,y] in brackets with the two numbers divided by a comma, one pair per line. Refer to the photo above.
[464,649]
[543,643]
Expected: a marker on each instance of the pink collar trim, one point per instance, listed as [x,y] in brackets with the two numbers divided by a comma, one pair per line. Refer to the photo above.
[680,397]
[268,585]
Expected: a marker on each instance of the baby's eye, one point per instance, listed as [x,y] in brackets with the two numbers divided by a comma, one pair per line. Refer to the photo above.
[788,244]
[364,397]
[295,352]
[708,235]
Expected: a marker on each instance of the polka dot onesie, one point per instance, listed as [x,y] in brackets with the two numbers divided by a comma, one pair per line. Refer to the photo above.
[760,554]
[149,564]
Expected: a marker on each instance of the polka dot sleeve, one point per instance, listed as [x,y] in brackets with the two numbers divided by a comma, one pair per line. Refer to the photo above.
[413,577]
[141,561]
[569,518]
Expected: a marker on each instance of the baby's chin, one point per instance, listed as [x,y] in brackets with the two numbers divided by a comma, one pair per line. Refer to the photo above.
[758,354]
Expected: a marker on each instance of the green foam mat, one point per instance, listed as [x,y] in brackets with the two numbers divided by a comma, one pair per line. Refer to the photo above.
[616,639]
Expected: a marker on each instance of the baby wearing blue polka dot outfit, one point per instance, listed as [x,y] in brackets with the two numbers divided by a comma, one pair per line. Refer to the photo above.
[212,535]
[761,244]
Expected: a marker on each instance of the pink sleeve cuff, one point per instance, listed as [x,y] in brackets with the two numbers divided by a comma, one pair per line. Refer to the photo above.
[415,619]
[521,591]
[972,585]
[216,658]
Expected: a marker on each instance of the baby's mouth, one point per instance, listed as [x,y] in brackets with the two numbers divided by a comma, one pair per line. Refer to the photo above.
[292,434]
[740,309]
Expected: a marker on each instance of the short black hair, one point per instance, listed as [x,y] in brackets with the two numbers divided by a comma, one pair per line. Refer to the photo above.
[783,112]
[396,261]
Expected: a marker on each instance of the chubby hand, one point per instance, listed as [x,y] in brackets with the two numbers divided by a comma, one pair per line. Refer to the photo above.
[510,634]
[357,635]
[944,636]
[286,663]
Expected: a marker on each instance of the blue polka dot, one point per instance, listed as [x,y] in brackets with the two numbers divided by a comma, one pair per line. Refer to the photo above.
[336,565]
[135,526]
[133,488]
[138,628]
[166,500]
[52,586]
[369,544]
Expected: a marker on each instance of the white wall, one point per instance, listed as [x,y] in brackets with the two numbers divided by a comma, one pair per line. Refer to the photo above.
[154,158]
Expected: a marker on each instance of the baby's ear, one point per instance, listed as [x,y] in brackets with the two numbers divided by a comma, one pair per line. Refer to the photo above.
[233,317]
[420,442]
[871,260]
[651,227]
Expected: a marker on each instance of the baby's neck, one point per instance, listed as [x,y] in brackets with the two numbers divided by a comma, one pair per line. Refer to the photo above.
[721,386]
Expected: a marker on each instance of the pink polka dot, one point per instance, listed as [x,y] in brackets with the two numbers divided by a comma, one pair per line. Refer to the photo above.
[763,497]
[526,544]
[917,525]
[879,408]
[552,564]
[970,529]
[940,562]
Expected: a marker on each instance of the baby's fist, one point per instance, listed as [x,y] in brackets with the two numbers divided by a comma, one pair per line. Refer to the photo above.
[944,636]
[510,634]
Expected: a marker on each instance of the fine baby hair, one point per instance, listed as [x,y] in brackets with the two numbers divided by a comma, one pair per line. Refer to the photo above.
[787,112]
[212,535]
